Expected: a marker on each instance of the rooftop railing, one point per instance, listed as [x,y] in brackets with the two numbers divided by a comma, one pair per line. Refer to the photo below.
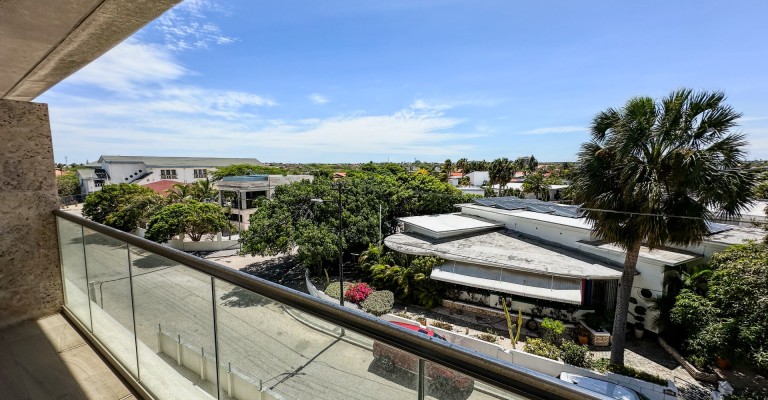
[181,327]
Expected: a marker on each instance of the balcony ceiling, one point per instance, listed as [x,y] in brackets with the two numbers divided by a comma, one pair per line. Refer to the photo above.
[44,41]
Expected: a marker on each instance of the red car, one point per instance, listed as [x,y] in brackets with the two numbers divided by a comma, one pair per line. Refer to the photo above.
[410,362]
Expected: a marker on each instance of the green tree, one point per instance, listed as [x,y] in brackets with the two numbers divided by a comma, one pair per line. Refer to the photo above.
[292,219]
[110,205]
[536,183]
[650,160]
[180,192]
[730,318]
[68,184]
[501,172]
[463,165]
[245,169]
[203,190]
[192,218]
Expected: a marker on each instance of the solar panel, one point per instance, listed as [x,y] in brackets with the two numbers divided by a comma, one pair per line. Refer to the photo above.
[516,203]
[714,227]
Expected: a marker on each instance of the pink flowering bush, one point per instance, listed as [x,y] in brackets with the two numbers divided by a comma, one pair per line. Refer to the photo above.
[357,292]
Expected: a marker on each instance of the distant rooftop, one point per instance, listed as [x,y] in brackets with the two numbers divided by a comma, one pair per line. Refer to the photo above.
[162,187]
[180,162]
[448,223]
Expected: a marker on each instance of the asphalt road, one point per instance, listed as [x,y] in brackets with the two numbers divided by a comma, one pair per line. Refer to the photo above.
[256,335]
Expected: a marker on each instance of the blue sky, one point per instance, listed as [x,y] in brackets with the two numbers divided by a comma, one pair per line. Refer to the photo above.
[353,81]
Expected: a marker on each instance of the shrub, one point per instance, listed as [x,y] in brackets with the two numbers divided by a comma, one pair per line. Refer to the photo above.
[379,302]
[633,373]
[601,364]
[553,330]
[357,292]
[442,325]
[332,290]
[488,337]
[577,355]
[541,348]
[748,394]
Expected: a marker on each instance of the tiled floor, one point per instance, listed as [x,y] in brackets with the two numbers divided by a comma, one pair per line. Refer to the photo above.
[48,359]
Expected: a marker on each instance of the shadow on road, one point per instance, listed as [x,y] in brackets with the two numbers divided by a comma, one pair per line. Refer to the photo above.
[281,270]
[239,297]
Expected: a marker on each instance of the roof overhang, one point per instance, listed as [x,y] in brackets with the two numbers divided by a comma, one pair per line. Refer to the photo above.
[44,41]
[507,281]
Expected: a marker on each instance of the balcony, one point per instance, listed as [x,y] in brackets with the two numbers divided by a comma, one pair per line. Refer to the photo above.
[180,327]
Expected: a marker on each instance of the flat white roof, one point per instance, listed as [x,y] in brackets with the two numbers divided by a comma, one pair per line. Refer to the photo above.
[443,223]
[505,249]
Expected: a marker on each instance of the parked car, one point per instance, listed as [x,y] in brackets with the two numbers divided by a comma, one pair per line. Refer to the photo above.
[436,373]
[603,387]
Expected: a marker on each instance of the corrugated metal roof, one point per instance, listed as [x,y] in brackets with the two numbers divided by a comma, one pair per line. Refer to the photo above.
[152,161]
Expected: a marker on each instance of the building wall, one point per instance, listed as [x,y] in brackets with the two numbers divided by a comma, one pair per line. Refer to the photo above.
[477,178]
[30,278]
[651,272]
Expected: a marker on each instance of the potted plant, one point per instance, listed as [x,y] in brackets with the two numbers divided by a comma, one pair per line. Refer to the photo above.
[583,336]
[639,327]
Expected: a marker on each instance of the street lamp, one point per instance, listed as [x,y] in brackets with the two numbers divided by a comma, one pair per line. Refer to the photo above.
[340,187]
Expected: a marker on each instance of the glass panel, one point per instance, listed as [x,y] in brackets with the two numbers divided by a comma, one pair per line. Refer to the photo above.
[295,356]
[443,383]
[73,270]
[174,327]
[110,293]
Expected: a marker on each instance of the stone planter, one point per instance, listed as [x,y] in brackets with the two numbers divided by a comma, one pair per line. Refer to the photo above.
[599,339]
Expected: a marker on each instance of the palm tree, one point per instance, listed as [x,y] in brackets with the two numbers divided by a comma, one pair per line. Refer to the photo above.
[536,184]
[179,192]
[659,167]
[463,165]
[203,190]
[500,172]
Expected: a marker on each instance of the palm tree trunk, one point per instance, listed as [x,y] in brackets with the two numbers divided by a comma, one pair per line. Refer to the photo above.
[622,303]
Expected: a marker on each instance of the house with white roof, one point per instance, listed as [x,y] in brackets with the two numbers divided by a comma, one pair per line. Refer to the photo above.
[544,253]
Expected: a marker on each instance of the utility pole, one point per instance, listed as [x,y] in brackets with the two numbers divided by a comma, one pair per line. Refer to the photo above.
[340,186]
[381,239]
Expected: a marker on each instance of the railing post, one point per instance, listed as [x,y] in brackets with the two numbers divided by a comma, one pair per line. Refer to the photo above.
[178,350]
[229,379]
[422,379]
[202,363]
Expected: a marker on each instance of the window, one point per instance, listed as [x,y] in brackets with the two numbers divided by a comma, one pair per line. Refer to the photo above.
[168,174]
[200,173]
[98,182]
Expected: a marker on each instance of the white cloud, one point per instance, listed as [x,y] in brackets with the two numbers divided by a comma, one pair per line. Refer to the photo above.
[317,98]
[186,26]
[555,129]
[128,67]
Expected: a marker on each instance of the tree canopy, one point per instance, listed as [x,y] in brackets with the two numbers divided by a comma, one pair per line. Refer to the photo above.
[245,169]
[192,218]
[292,219]
[658,168]
[68,184]
[730,319]
[123,206]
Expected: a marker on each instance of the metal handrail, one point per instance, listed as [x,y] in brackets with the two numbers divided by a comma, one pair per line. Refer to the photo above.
[499,373]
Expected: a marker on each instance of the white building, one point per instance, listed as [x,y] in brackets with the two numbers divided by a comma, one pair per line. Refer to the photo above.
[242,192]
[478,178]
[146,169]
[536,251]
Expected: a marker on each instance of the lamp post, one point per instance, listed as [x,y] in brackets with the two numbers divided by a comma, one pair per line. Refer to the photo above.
[339,185]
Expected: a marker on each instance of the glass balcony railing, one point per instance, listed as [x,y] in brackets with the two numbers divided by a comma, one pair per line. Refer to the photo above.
[180,327]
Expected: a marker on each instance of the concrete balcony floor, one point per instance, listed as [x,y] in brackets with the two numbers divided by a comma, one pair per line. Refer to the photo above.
[49,359]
